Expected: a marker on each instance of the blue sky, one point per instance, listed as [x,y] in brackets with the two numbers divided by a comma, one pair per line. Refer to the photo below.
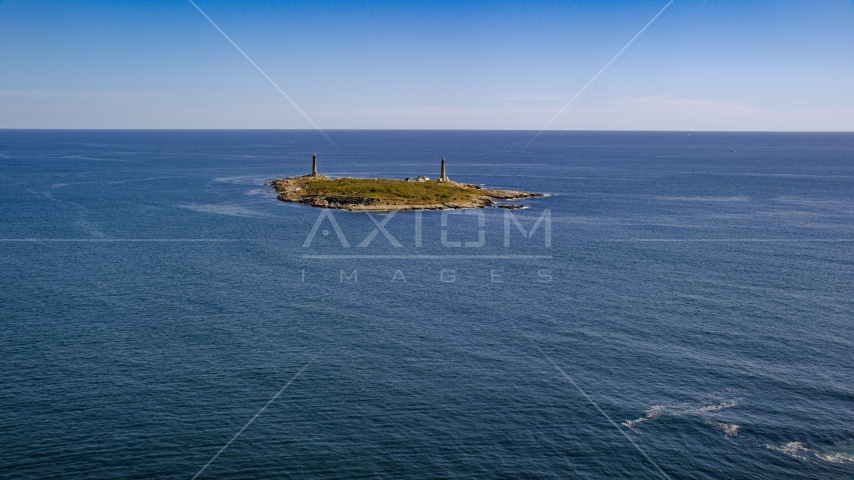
[702,65]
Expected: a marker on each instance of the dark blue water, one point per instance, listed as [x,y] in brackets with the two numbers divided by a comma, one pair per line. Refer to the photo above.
[691,317]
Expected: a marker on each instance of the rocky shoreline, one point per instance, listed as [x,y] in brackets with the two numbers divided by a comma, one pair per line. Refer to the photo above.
[385,195]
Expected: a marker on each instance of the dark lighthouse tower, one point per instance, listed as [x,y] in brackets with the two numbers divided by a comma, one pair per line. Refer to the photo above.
[444,176]
[314,165]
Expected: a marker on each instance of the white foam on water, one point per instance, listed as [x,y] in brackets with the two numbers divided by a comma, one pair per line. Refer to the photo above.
[737,198]
[652,414]
[224,209]
[792,449]
[242,180]
[837,458]
[257,191]
[730,429]
[119,182]
[678,410]
[839,454]
[714,408]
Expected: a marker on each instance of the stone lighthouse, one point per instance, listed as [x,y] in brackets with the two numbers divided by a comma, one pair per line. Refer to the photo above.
[444,176]
[314,165]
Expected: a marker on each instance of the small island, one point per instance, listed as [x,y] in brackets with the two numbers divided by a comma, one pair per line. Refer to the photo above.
[380,194]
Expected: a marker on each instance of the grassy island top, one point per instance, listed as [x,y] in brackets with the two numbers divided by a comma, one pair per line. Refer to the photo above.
[386,189]
[381,194]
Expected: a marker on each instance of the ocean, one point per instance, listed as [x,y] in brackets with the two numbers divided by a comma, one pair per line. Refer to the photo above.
[679,305]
